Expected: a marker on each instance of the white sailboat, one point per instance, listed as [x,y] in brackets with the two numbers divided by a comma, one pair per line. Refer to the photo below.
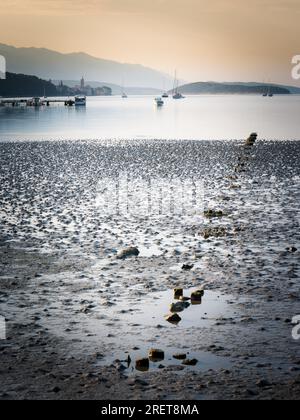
[176,93]
[159,101]
[123,94]
[165,93]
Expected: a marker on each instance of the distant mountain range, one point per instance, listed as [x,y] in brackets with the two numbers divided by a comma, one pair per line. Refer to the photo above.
[48,64]
[201,88]
[137,79]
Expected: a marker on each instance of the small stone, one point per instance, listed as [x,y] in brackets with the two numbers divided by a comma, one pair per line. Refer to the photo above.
[190,362]
[293,249]
[187,267]
[213,214]
[173,318]
[251,392]
[156,355]
[128,252]
[197,295]
[142,364]
[178,293]
[206,235]
[180,356]
[251,139]
[179,306]
[263,383]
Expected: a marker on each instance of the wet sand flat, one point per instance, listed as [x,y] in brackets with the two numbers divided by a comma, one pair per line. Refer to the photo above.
[75,310]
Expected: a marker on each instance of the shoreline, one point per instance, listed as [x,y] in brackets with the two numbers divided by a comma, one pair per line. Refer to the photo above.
[141,140]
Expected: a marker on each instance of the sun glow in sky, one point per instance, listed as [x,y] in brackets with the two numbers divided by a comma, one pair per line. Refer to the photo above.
[224,40]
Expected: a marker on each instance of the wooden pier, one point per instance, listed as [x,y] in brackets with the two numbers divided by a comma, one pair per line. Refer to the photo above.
[36,101]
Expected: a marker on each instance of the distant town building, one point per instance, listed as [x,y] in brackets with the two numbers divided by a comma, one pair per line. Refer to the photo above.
[83,89]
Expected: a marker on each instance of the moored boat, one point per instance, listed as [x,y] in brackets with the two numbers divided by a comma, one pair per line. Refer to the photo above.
[159,101]
[176,93]
[80,100]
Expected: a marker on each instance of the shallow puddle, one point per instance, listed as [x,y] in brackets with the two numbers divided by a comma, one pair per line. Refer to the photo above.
[205,361]
[150,310]
[143,326]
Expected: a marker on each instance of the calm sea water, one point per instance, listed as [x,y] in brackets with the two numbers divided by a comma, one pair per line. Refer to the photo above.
[196,117]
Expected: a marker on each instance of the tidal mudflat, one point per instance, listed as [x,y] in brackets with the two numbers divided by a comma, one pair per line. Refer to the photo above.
[86,287]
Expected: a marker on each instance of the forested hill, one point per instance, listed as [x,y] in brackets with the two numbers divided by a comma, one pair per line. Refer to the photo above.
[230,89]
[18,85]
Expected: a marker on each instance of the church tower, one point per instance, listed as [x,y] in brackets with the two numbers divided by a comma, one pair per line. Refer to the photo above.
[82,83]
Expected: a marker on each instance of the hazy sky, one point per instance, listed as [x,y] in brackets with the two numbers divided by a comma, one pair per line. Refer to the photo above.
[204,39]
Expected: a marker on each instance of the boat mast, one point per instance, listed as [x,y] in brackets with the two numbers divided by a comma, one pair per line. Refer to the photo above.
[175,86]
